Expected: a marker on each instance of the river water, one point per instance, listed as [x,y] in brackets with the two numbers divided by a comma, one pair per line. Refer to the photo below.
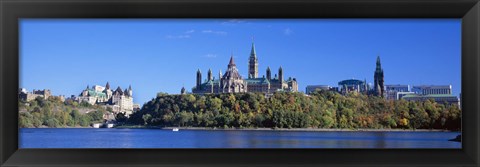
[157,138]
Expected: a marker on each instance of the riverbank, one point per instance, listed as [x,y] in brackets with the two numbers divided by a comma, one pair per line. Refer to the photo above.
[284,129]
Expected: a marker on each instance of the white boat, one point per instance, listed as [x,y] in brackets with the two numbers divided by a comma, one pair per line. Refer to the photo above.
[175,129]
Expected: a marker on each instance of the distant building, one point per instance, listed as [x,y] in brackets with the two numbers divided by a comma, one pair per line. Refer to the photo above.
[24,95]
[119,100]
[29,96]
[432,89]
[439,98]
[401,94]
[233,82]
[393,90]
[352,85]
[183,91]
[311,88]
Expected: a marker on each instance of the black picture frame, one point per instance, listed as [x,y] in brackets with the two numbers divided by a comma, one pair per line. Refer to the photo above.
[12,10]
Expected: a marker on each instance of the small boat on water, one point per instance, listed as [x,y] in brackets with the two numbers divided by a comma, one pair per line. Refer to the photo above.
[175,129]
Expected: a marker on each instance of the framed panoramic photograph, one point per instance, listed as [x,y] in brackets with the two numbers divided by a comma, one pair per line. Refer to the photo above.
[232,83]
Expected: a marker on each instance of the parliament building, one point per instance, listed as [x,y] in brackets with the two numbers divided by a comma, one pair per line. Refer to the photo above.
[233,82]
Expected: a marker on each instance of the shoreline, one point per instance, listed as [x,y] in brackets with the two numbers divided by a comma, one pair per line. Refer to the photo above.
[287,129]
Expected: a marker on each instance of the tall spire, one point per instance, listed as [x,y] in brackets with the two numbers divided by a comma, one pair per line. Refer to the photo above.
[129,87]
[253,63]
[232,62]
[107,86]
[253,53]
[379,79]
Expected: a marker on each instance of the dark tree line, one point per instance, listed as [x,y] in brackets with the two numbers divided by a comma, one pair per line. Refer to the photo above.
[322,109]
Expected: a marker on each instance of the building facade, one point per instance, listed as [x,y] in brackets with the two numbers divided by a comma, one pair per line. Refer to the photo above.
[391,91]
[439,98]
[353,85]
[233,82]
[432,89]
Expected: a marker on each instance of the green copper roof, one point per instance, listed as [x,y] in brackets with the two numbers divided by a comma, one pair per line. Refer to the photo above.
[92,92]
[257,81]
[253,52]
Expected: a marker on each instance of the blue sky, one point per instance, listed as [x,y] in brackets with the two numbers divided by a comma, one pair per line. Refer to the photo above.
[162,55]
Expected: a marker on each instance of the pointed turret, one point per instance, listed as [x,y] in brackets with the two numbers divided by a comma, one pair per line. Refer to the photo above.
[209,75]
[107,86]
[130,91]
[199,78]
[253,53]
[231,63]
[118,91]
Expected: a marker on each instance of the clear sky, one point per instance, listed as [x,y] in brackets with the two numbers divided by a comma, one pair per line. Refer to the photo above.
[162,55]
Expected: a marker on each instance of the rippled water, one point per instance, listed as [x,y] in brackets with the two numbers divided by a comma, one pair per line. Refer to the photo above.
[156,138]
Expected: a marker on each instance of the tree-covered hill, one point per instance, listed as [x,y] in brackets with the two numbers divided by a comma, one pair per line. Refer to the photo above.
[55,113]
[322,109]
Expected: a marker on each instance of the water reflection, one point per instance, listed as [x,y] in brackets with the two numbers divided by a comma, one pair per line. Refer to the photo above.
[156,138]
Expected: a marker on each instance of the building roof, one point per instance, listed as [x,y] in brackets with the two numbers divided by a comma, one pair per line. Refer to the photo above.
[231,61]
[92,92]
[257,81]
[351,82]
[118,90]
[232,72]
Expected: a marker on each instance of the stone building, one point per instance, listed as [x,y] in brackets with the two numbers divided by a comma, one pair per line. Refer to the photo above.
[119,100]
[29,96]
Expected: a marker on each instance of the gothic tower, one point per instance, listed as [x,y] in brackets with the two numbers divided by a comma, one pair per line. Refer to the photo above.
[379,80]
[253,63]
[280,74]
[199,78]
[269,74]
